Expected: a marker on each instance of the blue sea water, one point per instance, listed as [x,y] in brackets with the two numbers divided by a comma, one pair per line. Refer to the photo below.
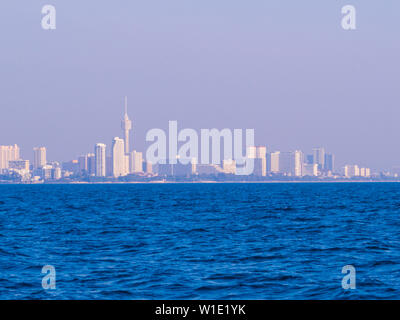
[200,241]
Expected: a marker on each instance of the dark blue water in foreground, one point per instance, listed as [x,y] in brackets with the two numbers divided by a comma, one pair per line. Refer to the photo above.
[200,241]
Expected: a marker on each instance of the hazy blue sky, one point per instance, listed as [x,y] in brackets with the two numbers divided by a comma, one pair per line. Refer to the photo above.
[285,68]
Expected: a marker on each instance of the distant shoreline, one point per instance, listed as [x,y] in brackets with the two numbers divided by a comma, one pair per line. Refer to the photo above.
[196,182]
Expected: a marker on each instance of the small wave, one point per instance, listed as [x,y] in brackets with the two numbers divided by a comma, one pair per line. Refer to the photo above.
[384,263]
[197,230]
[260,258]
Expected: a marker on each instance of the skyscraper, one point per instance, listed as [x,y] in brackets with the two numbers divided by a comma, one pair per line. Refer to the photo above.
[39,157]
[136,162]
[56,173]
[126,126]
[275,162]
[118,158]
[298,163]
[7,154]
[329,162]
[319,157]
[100,154]
[83,163]
[91,162]
[149,167]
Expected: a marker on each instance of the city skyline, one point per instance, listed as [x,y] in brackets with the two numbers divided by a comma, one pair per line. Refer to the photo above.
[121,160]
[124,159]
[126,141]
[127,127]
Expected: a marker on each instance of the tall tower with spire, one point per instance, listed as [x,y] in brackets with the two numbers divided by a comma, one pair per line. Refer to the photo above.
[126,126]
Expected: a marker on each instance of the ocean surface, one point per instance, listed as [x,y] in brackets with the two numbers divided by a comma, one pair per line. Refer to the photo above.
[200,241]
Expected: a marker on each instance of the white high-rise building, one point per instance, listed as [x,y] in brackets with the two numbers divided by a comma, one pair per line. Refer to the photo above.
[118,158]
[127,164]
[57,175]
[39,157]
[298,163]
[100,159]
[126,126]
[136,162]
[7,154]
[275,161]
[149,168]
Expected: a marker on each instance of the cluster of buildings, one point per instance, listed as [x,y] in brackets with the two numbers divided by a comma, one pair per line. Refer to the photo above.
[298,164]
[119,160]
[13,166]
[351,171]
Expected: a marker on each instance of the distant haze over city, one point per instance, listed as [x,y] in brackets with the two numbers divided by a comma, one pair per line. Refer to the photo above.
[285,68]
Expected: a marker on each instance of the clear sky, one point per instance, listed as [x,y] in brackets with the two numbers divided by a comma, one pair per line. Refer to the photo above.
[285,68]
